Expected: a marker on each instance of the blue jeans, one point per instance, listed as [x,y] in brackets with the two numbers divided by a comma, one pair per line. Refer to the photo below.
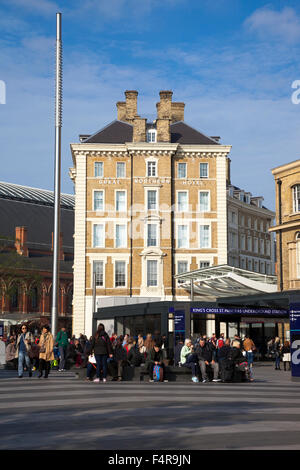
[277,362]
[249,356]
[89,370]
[22,356]
[62,353]
[192,363]
[101,360]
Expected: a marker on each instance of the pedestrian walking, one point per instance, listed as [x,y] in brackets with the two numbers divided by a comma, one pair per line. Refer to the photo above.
[286,355]
[249,347]
[277,352]
[23,346]
[62,342]
[46,355]
[101,347]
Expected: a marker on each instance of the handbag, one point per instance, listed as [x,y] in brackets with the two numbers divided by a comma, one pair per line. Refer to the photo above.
[42,349]
[243,366]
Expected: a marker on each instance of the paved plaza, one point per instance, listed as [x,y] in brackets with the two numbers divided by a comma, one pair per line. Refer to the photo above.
[64,412]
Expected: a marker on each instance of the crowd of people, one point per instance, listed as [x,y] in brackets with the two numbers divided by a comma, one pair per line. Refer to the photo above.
[208,358]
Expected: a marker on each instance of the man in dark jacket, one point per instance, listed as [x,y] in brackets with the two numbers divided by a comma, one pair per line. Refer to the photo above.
[155,357]
[206,358]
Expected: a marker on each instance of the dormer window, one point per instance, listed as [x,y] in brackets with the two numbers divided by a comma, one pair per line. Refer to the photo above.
[151,135]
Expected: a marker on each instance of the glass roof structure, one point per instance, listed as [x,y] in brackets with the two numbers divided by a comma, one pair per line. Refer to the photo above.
[34,195]
[225,281]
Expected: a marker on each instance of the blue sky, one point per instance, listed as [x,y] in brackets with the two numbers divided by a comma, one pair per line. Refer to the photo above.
[231,61]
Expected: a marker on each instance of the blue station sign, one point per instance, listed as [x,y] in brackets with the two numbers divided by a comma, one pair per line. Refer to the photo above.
[295,338]
[240,311]
[179,321]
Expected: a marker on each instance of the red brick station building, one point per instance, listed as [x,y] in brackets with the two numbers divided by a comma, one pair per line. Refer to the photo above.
[26,256]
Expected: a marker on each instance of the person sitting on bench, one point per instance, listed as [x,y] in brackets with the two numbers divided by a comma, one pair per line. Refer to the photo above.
[189,359]
[206,358]
[154,358]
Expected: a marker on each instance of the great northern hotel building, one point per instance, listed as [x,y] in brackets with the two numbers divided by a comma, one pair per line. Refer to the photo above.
[154,199]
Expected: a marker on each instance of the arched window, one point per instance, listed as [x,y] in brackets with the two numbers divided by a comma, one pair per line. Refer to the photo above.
[34,298]
[14,297]
[296,198]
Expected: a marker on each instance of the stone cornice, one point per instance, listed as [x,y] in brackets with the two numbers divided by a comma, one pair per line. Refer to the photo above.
[150,149]
[284,226]
[249,207]
[204,150]
[286,167]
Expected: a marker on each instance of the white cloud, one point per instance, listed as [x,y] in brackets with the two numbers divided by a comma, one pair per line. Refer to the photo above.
[282,25]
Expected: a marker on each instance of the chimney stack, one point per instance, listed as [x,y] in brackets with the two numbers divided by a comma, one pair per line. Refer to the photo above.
[164,116]
[177,112]
[121,107]
[164,107]
[131,104]
[21,241]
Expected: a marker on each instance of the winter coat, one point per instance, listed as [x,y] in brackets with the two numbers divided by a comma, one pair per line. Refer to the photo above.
[134,357]
[62,339]
[46,340]
[223,352]
[29,337]
[185,351]
[236,355]
[151,356]
[248,345]
[102,344]
[205,353]
[10,352]
[120,353]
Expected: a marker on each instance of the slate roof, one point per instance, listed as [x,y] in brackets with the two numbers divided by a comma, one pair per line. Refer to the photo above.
[182,133]
[119,132]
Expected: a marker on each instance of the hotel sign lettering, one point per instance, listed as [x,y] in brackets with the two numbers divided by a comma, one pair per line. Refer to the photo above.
[136,180]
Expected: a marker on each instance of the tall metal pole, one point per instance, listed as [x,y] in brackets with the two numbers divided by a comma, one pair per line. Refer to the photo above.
[58,120]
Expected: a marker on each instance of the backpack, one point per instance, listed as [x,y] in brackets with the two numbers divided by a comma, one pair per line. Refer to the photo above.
[220,343]
[158,374]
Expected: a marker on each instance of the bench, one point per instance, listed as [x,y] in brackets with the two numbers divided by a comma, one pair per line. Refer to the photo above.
[140,374]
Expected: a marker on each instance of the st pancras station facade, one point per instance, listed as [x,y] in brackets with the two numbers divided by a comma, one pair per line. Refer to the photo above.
[163,240]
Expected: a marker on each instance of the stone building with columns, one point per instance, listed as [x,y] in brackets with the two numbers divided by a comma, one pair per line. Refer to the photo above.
[150,202]
[287,228]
